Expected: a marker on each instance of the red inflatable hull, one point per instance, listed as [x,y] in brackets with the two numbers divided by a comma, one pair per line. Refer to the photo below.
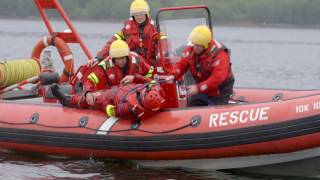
[260,122]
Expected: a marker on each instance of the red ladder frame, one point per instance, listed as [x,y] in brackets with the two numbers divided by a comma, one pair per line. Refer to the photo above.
[68,37]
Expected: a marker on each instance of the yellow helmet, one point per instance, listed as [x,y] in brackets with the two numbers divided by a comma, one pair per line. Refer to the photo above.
[119,48]
[139,7]
[201,35]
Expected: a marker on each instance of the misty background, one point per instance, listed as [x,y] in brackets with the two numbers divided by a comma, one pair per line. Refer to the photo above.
[260,12]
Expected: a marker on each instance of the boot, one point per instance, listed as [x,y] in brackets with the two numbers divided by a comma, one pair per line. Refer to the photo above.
[63,98]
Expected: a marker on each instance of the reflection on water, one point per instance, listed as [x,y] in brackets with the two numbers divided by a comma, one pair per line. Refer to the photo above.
[31,166]
[262,57]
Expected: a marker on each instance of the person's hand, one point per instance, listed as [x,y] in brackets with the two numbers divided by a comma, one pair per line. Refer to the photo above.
[110,110]
[151,84]
[92,62]
[90,98]
[192,90]
[127,79]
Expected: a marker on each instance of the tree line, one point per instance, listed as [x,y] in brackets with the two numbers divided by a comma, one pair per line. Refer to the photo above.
[292,12]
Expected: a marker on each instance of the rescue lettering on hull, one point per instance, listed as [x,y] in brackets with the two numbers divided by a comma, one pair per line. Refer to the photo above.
[238,117]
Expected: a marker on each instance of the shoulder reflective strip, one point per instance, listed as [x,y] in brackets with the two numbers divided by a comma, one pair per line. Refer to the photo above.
[121,34]
[133,53]
[163,37]
[134,60]
[218,44]
[216,63]
[110,63]
[106,126]
[203,87]
[117,36]
[68,57]
[79,75]
[141,114]
[103,64]
[45,41]
[213,48]
[93,77]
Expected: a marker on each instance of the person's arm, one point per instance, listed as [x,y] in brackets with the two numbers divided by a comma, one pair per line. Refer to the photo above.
[219,73]
[104,52]
[145,72]
[93,79]
[183,64]
[138,79]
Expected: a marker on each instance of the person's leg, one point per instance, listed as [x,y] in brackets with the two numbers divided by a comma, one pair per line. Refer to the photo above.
[75,100]
[198,100]
[217,100]
[225,93]
[63,98]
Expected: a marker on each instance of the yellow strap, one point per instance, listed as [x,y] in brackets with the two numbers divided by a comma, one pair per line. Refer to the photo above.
[152,83]
[149,74]
[119,35]
[103,65]
[93,78]
[163,37]
[110,110]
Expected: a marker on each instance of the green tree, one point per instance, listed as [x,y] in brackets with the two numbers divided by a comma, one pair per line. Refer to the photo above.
[298,12]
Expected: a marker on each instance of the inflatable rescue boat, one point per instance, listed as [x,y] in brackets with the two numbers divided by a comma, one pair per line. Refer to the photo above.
[259,127]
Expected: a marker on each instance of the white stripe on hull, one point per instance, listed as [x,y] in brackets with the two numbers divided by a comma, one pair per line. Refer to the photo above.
[107,125]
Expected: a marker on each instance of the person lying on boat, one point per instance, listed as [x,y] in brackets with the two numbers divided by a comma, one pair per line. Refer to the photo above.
[139,32]
[209,64]
[131,101]
[121,67]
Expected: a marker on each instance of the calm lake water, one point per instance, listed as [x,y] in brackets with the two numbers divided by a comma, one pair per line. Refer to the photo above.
[284,58]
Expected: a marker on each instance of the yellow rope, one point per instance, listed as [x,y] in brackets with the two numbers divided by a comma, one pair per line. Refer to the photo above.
[15,71]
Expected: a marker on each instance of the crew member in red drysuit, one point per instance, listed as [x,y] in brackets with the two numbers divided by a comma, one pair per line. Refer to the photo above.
[209,64]
[122,67]
[131,101]
[139,32]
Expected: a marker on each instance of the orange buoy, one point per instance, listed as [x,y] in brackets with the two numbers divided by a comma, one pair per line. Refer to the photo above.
[64,51]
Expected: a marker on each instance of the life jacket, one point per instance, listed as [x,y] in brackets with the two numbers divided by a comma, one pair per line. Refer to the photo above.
[201,67]
[114,74]
[141,40]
